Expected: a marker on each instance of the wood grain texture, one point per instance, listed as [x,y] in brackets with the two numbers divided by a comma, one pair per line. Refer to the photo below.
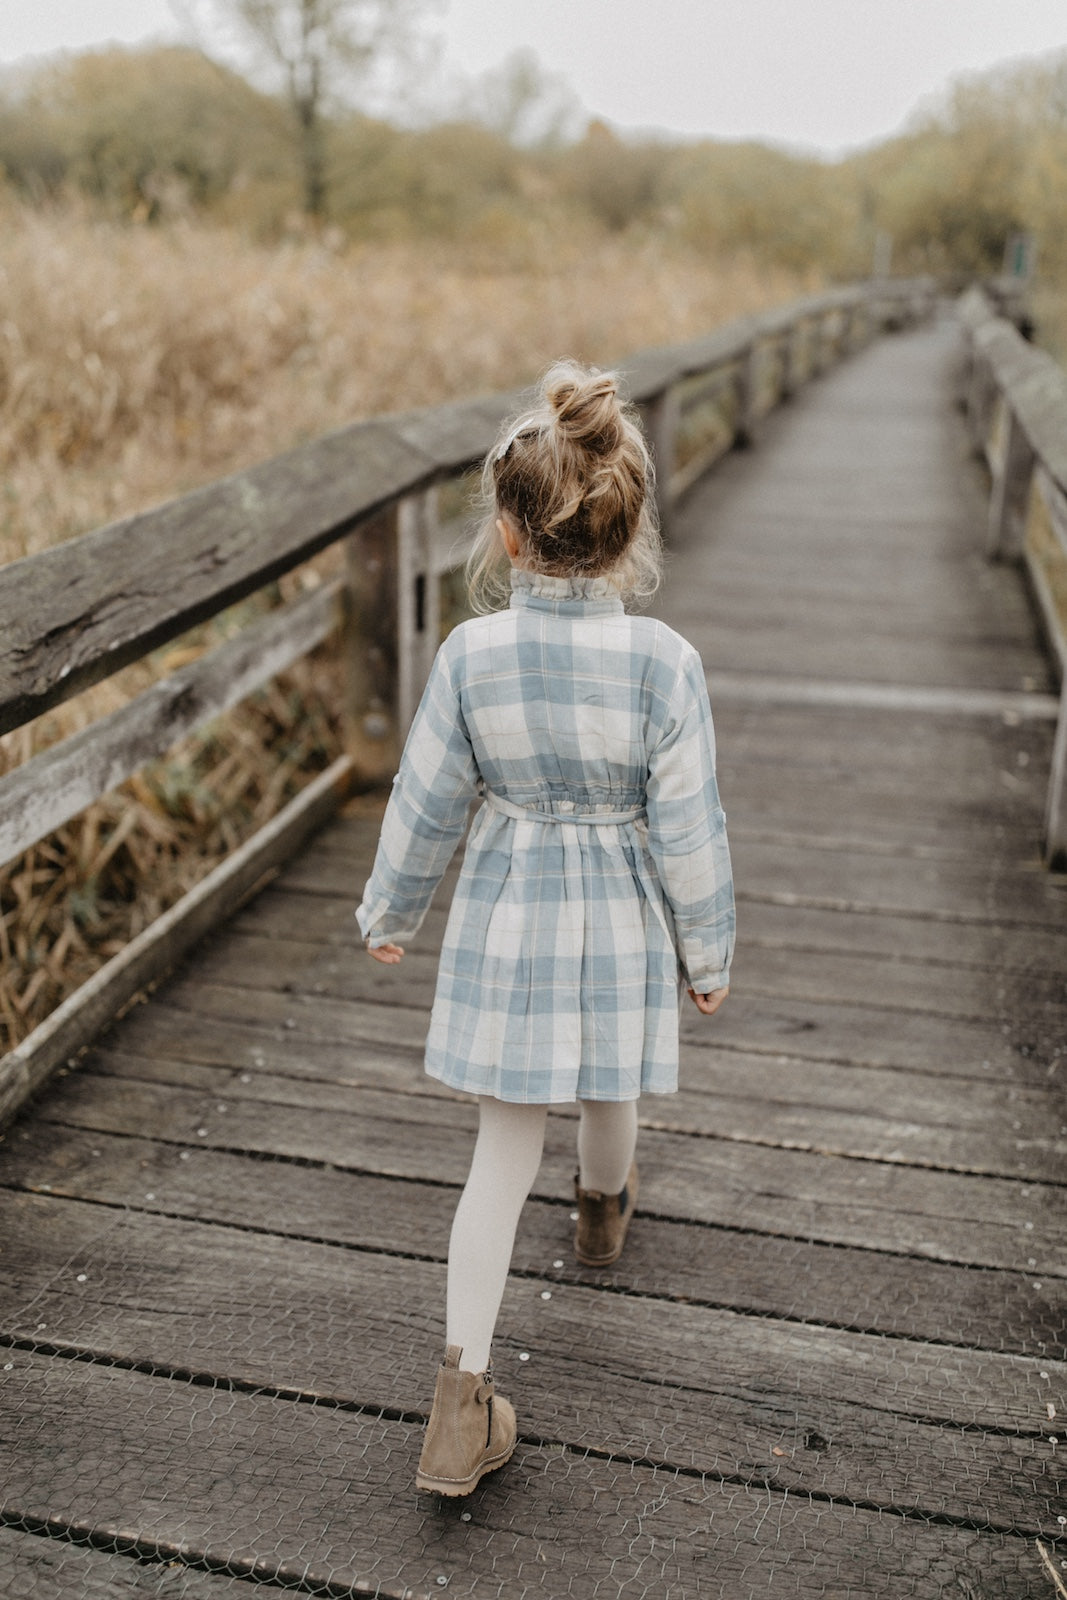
[937,989]
[909,1118]
[283,911]
[65,623]
[191,1299]
[944,1216]
[45,1565]
[730,1266]
[336,1517]
[761,1023]
[47,791]
[1035,386]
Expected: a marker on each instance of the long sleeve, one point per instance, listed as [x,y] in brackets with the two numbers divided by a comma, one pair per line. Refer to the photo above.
[426,814]
[687,833]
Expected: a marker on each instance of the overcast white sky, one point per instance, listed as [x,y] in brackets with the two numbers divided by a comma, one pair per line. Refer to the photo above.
[825,74]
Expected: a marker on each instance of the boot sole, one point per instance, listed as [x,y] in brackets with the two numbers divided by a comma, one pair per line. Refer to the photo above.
[599,1261]
[604,1261]
[455,1487]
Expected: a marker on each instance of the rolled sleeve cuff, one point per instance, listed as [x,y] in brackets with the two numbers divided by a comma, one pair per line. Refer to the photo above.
[708,982]
[368,915]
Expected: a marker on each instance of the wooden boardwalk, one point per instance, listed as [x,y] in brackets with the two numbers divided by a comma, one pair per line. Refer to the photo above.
[831,1361]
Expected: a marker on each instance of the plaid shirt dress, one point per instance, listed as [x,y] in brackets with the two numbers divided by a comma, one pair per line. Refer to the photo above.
[596,878]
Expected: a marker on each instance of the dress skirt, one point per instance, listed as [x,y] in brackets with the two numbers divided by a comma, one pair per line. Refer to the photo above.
[559,976]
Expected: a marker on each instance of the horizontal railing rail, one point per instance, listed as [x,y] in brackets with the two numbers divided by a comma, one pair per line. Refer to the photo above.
[1015,398]
[76,614]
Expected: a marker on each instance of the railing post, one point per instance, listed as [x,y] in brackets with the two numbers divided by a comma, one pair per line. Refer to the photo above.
[819,356]
[417,601]
[859,333]
[791,364]
[747,396]
[980,393]
[660,416]
[1056,805]
[1012,472]
[372,735]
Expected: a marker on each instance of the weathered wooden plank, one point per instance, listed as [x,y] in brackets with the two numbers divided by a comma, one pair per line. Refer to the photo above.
[47,1566]
[780,503]
[648,373]
[871,814]
[996,813]
[1011,706]
[456,435]
[889,753]
[852,877]
[163,1293]
[614,1523]
[393,1016]
[758,1021]
[991,771]
[81,1016]
[53,787]
[1036,387]
[846,878]
[758,634]
[66,620]
[285,912]
[994,878]
[298,965]
[910,1118]
[1011,1128]
[725,1266]
[984,946]
[1022,1049]
[947,1216]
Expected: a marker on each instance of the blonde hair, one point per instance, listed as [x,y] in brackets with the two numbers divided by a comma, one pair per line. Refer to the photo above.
[574,479]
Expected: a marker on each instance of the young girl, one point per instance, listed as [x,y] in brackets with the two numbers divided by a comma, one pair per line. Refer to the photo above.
[596,878]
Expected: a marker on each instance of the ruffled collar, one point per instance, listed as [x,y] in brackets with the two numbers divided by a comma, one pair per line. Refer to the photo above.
[542,586]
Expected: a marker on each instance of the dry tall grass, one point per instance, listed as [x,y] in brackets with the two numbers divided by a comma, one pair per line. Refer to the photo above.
[136,364]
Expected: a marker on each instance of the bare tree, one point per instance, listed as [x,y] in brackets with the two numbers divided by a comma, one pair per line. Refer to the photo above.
[324,51]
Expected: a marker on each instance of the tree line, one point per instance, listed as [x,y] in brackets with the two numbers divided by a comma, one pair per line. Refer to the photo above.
[156,133]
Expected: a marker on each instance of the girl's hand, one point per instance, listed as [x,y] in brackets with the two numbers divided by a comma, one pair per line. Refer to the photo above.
[388,954]
[708,1003]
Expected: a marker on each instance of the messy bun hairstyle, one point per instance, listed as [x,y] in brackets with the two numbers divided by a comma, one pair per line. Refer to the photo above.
[574,478]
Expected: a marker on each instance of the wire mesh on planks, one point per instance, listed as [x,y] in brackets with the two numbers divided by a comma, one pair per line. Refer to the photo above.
[216,1369]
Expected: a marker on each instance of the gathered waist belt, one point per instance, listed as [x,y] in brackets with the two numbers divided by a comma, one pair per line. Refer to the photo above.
[507,808]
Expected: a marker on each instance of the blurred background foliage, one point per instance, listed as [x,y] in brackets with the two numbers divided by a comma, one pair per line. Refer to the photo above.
[150,135]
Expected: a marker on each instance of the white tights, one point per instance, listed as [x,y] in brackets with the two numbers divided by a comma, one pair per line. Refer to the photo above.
[505,1162]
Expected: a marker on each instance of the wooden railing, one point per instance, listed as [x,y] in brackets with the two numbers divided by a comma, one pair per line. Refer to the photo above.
[1015,399]
[74,615]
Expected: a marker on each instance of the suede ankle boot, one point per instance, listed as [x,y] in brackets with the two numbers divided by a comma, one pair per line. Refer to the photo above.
[602,1222]
[471,1431]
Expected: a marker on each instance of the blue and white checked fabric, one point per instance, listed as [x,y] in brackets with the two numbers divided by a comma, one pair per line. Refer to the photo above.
[568,936]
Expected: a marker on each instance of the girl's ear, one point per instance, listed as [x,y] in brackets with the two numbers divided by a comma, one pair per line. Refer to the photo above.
[509,536]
